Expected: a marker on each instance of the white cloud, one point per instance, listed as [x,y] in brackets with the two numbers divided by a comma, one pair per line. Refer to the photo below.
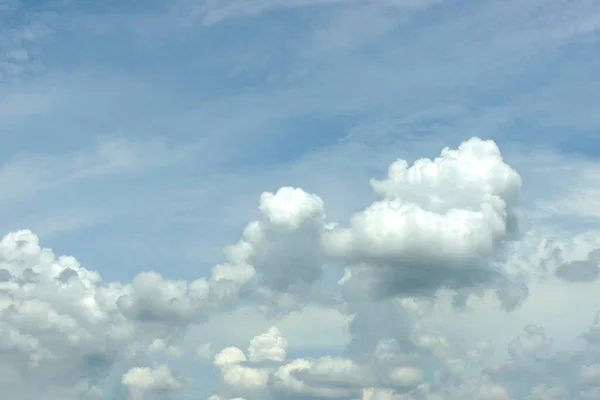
[456,309]
[237,376]
[287,244]
[406,376]
[463,204]
[162,347]
[149,383]
[269,346]
[58,317]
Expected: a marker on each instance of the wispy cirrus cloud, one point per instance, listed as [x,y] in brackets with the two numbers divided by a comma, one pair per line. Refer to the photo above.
[28,174]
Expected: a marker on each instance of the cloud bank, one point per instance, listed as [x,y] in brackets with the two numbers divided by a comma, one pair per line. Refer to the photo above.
[445,239]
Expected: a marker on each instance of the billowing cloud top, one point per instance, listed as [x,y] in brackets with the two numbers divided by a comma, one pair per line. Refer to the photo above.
[438,223]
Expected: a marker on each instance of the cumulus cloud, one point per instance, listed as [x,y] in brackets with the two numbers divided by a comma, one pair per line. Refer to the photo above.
[162,347]
[235,375]
[442,233]
[61,323]
[150,383]
[325,377]
[55,312]
[463,204]
[269,346]
[287,242]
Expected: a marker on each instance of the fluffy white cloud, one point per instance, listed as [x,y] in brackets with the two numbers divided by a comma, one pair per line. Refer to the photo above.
[462,204]
[287,242]
[437,255]
[60,323]
[236,375]
[406,376]
[162,347]
[149,383]
[268,347]
[324,377]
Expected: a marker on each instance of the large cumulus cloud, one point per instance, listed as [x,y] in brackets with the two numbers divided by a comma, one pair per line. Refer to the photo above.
[437,224]
[442,230]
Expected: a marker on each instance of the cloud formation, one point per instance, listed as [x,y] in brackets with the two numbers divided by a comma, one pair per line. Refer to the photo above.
[461,272]
[150,383]
[463,204]
[442,229]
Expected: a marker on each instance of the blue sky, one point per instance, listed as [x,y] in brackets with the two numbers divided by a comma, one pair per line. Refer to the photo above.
[254,86]
[139,135]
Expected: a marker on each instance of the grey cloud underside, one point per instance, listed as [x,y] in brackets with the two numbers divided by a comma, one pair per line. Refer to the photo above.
[581,270]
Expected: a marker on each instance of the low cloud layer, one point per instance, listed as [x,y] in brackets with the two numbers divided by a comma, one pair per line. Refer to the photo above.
[445,240]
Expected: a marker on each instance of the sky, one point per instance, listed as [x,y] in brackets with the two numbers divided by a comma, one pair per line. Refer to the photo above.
[300,199]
